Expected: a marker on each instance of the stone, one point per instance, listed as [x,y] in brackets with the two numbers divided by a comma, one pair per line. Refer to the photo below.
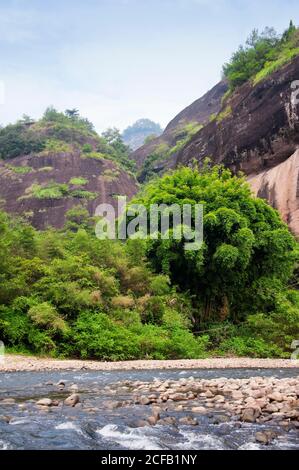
[271,408]
[157,411]
[168,421]
[152,420]
[178,397]
[8,401]
[250,415]
[72,400]
[220,419]
[199,409]
[5,419]
[144,401]
[219,399]
[275,396]
[139,424]
[74,388]
[237,395]
[188,421]
[44,402]
[113,405]
[256,394]
[265,437]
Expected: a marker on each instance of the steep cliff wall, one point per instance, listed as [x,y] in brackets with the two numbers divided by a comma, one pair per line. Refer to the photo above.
[280,186]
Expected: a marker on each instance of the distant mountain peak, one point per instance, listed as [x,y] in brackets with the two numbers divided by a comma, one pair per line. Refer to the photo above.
[135,135]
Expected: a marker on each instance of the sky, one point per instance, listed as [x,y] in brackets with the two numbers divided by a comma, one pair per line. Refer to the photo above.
[121,60]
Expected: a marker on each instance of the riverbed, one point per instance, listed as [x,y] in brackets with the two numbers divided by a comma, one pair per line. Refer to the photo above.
[96,424]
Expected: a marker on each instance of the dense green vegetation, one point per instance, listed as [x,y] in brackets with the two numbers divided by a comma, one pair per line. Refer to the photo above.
[242,271]
[263,54]
[58,132]
[66,293]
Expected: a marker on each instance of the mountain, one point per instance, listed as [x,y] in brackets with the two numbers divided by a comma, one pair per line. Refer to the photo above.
[57,164]
[179,131]
[134,136]
[253,127]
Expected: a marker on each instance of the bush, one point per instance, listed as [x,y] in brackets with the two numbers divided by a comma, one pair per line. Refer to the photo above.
[46,316]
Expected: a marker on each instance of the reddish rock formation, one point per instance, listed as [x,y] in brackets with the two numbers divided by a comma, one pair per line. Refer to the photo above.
[280,186]
[103,177]
[261,128]
[198,112]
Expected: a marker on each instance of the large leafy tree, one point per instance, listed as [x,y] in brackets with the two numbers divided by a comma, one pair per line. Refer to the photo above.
[248,252]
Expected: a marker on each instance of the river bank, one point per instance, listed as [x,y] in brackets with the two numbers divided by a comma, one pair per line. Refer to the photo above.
[19,363]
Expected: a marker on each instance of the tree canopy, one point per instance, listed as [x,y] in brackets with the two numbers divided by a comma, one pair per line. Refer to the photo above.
[248,252]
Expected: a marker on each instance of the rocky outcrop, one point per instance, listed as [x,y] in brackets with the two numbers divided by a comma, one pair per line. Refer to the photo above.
[103,180]
[257,128]
[280,186]
[198,112]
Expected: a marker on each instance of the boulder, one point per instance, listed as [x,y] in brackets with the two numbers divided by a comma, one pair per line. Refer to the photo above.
[144,401]
[8,401]
[178,397]
[199,409]
[72,400]
[44,402]
[265,437]
[188,421]
[250,415]
[276,396]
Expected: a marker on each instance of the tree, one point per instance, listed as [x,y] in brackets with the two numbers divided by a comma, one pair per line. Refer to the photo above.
[72,113]
[247,254]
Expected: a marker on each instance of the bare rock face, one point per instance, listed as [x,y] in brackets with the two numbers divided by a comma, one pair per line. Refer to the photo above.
[258,128]
[198,112]
[103,181]
[280,186]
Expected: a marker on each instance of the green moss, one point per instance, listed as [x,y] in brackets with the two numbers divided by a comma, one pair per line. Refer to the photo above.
[79,181]
[52,190]
[56,146]
[224,114]
[46,169]
[20,170]
[95,155]
[110,175]
[83,194]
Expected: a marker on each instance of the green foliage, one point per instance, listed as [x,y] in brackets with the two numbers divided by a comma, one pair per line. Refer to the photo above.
[56,146]
[263,54]
[68,293]
[46,316]
[18,139]
[83,194]
[20,170]
[87,148]
[51,190]
[224,114]
[79,181]
[247,255]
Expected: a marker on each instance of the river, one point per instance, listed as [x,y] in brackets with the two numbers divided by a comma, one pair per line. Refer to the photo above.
[66,428]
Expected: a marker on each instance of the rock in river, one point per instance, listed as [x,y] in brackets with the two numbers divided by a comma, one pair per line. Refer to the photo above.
[72,400]
[44,402]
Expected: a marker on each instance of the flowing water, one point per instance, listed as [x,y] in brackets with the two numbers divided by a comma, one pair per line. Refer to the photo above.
[106,429]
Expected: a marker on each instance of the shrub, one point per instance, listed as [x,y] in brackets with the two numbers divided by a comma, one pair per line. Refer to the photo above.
[79,181]
[46,316]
